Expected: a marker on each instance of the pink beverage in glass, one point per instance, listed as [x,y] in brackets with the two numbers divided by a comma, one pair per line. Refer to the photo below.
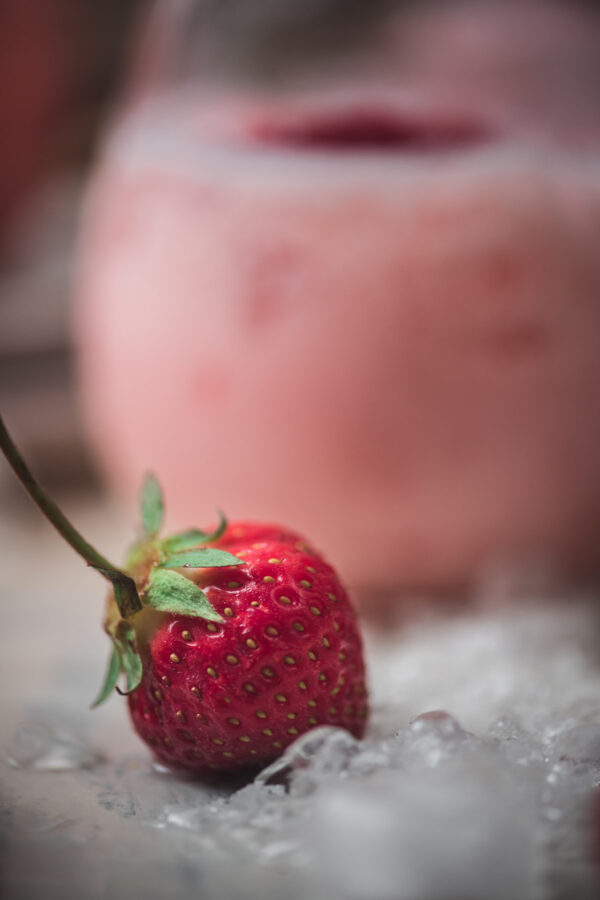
[370,312]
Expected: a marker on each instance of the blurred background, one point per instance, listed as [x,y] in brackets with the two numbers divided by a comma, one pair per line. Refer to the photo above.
[62,66]
[328,262]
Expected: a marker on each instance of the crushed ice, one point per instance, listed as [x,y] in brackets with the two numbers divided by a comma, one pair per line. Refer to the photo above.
[39,746]
[445,806]
[479,776]
[432,812]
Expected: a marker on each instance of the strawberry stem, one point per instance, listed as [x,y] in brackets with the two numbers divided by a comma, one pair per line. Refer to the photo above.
[126,594]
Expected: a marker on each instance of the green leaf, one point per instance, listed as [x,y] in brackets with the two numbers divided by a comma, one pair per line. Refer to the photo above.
[111,677]
[187,540]
[200,559]
[219,530]
[173,593]
[130,659]
[152,506]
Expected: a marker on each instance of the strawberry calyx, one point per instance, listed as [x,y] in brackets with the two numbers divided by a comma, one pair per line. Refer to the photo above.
[153,562]
[124,660]
[152,583]
[162,590]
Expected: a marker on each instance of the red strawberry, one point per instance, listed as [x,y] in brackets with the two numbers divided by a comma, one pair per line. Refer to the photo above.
[286,658]
[231,643]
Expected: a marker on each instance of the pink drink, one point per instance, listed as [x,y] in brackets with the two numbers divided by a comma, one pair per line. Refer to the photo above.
[378,327]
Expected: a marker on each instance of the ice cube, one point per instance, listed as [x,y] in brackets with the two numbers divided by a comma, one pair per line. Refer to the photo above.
[314,757]
[38,746]
[432,738]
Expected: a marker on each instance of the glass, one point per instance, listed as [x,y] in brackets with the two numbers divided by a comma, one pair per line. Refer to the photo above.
[357,294]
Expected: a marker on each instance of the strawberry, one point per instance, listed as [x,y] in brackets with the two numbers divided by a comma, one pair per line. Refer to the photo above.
[231,643]
[285,657]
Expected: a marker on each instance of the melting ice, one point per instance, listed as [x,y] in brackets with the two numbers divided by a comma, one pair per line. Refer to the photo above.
[491,797]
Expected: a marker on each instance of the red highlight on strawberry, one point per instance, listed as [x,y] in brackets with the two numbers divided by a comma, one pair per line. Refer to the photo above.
[229,643]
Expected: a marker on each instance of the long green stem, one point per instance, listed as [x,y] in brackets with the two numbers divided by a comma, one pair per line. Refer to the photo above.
[126,594]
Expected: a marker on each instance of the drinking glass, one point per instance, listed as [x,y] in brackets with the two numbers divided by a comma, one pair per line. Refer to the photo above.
[356,290]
